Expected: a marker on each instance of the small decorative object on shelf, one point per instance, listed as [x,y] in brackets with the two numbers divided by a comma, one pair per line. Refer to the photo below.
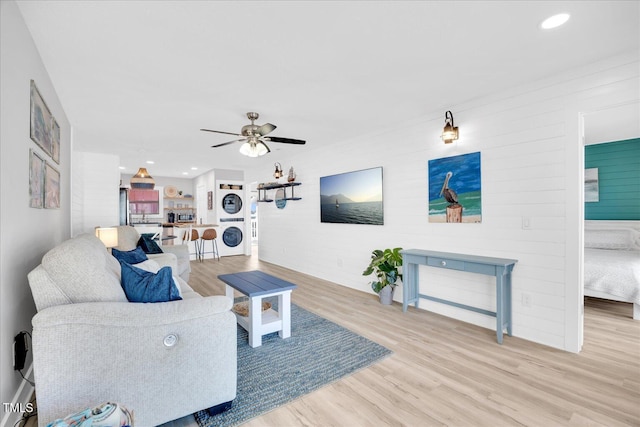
[292,175]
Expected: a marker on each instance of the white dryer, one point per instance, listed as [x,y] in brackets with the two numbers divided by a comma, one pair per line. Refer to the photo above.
[231,209]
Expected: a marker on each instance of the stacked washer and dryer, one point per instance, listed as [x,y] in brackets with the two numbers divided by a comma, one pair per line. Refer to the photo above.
[233,218]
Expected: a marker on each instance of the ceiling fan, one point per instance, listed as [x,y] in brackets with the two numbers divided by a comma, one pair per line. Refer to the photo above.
[253,137]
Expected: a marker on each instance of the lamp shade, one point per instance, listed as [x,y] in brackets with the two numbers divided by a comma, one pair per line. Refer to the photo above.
[142,180]
[253,149]
[108,236]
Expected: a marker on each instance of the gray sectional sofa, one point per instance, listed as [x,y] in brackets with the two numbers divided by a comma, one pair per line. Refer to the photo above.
[90,345]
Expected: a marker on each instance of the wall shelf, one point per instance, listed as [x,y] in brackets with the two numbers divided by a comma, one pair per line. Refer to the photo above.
[262,197]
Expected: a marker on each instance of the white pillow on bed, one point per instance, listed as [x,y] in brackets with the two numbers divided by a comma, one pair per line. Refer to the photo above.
[620,239]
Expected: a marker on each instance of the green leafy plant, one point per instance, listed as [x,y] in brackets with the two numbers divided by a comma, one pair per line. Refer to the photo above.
[385,264]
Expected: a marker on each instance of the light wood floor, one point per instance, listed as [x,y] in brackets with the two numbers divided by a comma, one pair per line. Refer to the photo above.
[446,372]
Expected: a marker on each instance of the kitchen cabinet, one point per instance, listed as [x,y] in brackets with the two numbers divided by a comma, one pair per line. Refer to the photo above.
[145,202]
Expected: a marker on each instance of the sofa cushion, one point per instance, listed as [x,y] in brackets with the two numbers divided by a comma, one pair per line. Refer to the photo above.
[83,270]
[144,286]
[148,245]
[128,237]
[153,267]
[131,257]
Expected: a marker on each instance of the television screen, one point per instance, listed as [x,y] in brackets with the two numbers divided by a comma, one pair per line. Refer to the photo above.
[352,197]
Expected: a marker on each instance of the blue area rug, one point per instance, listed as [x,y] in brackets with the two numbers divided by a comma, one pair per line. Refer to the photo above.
[317,353]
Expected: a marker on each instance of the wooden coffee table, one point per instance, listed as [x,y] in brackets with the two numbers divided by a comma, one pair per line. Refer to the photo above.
[258,285]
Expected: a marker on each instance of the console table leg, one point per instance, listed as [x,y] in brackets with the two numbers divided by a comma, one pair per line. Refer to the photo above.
[500,306]
[508,303]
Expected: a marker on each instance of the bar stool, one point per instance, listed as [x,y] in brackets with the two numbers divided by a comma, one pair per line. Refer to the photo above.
[193,236]
[210,234]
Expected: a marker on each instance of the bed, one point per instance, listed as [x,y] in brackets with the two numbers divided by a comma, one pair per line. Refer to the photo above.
[612,261]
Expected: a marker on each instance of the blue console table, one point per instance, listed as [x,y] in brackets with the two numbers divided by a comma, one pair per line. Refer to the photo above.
[499,267]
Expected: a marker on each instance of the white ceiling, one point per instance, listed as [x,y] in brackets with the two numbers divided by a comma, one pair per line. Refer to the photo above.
[140,78]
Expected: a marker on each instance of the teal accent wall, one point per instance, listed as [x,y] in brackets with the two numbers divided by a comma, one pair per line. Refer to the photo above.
[618,166]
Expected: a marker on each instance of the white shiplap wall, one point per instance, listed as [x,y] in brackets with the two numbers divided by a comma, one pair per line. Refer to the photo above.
[532,161]
[95,184]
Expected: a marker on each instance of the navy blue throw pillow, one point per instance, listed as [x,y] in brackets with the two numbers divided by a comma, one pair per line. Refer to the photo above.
[131,257]
[148,245]
[143,286]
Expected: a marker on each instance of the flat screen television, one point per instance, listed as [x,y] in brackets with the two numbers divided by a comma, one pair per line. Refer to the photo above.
[352,197]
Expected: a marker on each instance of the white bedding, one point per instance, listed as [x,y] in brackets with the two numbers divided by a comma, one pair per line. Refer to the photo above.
[614,272]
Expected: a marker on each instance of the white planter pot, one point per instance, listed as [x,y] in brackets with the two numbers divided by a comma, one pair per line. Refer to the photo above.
[386,295]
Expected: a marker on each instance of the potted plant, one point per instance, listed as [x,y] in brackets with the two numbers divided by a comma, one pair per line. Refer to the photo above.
[386,266]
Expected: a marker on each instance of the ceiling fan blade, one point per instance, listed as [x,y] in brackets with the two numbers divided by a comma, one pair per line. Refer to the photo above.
[219,131]
[227,143]
[285,140]
[266,128]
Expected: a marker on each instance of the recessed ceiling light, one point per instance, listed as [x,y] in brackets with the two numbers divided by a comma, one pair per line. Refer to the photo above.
[121,167]
[194,168]
[185,173]
[554,21]
[150,162]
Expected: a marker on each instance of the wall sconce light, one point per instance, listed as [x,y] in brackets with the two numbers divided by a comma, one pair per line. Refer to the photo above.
[450,132]
[142,180]
[278,173]
[108,236]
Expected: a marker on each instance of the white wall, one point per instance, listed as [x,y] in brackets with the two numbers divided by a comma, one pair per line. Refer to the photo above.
[25,233]
[532,162]
[96,180]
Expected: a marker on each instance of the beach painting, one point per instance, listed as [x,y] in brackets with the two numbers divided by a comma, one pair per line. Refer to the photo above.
[352,197]
[455,190]
[591,187]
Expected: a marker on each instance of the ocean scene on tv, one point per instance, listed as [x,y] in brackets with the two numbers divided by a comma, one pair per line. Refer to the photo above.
[454,182]
[352,197]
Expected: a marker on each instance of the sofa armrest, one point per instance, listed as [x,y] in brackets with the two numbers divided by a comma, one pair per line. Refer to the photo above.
[166,259]
[180,251]
[133,354]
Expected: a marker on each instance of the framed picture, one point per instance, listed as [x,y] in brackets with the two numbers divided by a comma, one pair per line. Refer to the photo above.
[51,187]
[210,200]
[55,141]
[591,187]
[41,121]
[352,197]
[36,180]
[455,189]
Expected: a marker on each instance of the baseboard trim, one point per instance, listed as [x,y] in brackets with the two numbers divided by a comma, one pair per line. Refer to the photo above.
[23,395]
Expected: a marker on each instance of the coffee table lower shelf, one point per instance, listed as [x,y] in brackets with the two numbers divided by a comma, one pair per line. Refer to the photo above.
[258,285]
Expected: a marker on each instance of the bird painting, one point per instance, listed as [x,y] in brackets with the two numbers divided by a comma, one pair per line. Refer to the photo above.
[448,193]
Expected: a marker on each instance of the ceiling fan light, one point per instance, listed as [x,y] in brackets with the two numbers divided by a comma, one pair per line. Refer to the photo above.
[253,149]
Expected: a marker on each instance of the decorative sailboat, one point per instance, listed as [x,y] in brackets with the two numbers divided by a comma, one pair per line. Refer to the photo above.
[337,204]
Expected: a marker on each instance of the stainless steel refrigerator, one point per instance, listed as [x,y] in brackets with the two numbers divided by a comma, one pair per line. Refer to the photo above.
[124,206]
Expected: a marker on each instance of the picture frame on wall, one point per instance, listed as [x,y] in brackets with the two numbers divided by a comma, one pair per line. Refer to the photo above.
[455,189]
[352,197]
[51,187]
[55,141]
[210,200]
[41,121]
[591,185]
[36,180]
